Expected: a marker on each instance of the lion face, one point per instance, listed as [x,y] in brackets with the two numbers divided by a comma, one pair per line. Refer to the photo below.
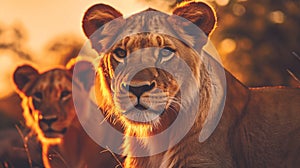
[54,101]
[49,96]
[142,68]
[146,81]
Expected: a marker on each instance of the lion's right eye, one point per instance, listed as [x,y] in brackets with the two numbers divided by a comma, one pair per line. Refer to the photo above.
[38,96]
[120,53]
[65,95]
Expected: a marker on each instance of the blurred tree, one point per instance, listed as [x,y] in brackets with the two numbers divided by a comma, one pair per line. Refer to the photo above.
[14,38]
[62,48]
[13,51]
[257,40]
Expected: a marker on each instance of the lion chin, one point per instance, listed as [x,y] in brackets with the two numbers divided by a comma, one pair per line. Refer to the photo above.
[53,133]
[144,122]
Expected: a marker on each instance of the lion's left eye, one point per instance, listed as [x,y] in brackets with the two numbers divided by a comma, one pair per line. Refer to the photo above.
[120,53]
[65,94]
[166,54]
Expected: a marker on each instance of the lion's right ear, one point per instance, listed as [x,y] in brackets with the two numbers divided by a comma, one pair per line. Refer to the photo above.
[195,14]
[24,75]
[199,13]
[95,18]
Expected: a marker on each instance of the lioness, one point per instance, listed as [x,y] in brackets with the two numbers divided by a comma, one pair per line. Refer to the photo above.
[259,127]
[49,111]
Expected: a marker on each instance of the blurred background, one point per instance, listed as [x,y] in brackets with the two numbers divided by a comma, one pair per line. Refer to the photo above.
[258,41]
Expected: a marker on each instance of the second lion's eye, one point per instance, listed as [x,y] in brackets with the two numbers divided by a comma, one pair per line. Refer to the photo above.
[38,96]
[120,53]
[65,95]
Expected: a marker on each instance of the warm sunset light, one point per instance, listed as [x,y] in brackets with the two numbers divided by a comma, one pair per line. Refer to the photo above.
[5,65]
[277,17]
[227,46]
[46,19]
[8,62]
[41,21]
[238,9]
[149,83]
[31,121]
[222,2]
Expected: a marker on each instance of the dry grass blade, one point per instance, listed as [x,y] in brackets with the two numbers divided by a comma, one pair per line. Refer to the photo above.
[5,165]
[114,155]
[293,75]
[57,154]
[290,72]
[25,146]
[296,55]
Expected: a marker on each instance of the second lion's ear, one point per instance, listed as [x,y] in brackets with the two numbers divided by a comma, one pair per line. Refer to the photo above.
[24,75]
[84,72]
[97,17]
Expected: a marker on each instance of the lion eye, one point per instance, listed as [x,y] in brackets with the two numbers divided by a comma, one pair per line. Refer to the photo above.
[65,94]
[166,54]
[119,52]
[38,96]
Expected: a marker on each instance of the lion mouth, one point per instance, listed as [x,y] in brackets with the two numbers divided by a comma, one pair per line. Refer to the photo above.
[141,113]
[51,133]
[142,108]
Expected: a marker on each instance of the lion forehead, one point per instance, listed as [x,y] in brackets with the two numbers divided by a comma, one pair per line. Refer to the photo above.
[147,21]
[53,81]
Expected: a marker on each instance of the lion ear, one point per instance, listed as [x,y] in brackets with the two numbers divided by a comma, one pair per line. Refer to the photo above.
[200,14]
[94,27]
[23,75]
[84,72]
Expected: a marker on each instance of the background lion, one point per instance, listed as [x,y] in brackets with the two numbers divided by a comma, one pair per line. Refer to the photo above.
[49,111]
[259,126]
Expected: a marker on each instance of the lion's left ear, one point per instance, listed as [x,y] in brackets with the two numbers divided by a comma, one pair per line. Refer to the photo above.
[101,24]
[84,72]
[200,14]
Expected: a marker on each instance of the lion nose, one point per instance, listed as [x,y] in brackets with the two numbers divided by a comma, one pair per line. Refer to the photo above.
[49,120]
[139,90]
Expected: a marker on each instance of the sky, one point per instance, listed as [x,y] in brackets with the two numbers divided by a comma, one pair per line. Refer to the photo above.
[45,19]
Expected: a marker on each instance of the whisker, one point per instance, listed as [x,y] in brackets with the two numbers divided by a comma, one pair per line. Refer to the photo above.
[173,110]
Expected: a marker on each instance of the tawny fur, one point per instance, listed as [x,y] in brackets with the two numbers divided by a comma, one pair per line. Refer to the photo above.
[76,148]
[259,127]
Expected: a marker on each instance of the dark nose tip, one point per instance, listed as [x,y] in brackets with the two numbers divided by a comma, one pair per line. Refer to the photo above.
[139,90]
[49,120]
